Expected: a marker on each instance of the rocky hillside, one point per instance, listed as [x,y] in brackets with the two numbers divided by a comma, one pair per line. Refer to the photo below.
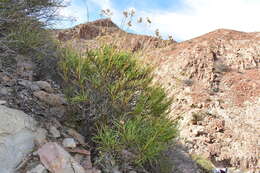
[215,82]
[216,85]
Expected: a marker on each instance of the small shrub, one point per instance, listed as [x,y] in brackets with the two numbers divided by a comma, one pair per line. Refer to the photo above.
[125,112]
[26,38]
[110,81]
[204,164]
[198,116]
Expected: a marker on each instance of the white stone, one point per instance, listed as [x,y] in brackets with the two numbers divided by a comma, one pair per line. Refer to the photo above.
[54,132]
[38,169]
[69,143]
[40,136]
[5,91]
[2,102]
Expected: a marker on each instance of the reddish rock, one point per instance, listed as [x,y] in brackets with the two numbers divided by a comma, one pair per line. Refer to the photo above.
[57,160]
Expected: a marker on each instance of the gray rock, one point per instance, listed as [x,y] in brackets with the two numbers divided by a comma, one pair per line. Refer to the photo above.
[14,148]
[13,121]
[5,91]
[25,83]
[132,172]
[181,161]
[16,138]
[78,158]
[54,132]
[44,86]
[38,169]
[2,102]
[69,143]
[77,136]
[115,170]
[29,84]
[35,87]
[40,136]
[51,99]
[93,170]
[58,111]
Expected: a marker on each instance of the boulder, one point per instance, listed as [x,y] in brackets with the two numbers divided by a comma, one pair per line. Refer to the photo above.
[16,138]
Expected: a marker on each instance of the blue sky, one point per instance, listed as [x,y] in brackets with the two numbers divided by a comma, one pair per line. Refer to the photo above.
[182,19]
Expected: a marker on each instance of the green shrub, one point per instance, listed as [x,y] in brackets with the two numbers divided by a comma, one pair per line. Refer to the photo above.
[144,138]
[23,22]
[26,37]
[110,81]
[115,94]
[203,163]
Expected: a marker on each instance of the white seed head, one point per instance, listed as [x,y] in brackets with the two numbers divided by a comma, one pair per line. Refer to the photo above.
[148,20]
[132,12]
[140,20]
[125,13]
[129,23]
[157,33]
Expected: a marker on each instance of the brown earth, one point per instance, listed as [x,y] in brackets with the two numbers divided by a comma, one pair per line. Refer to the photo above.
[214,79]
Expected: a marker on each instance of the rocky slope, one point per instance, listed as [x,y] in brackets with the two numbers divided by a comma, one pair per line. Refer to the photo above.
[32,138]
[215,82]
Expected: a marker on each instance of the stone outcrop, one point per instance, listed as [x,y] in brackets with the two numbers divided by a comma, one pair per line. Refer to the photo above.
[93,34]
[88,31]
